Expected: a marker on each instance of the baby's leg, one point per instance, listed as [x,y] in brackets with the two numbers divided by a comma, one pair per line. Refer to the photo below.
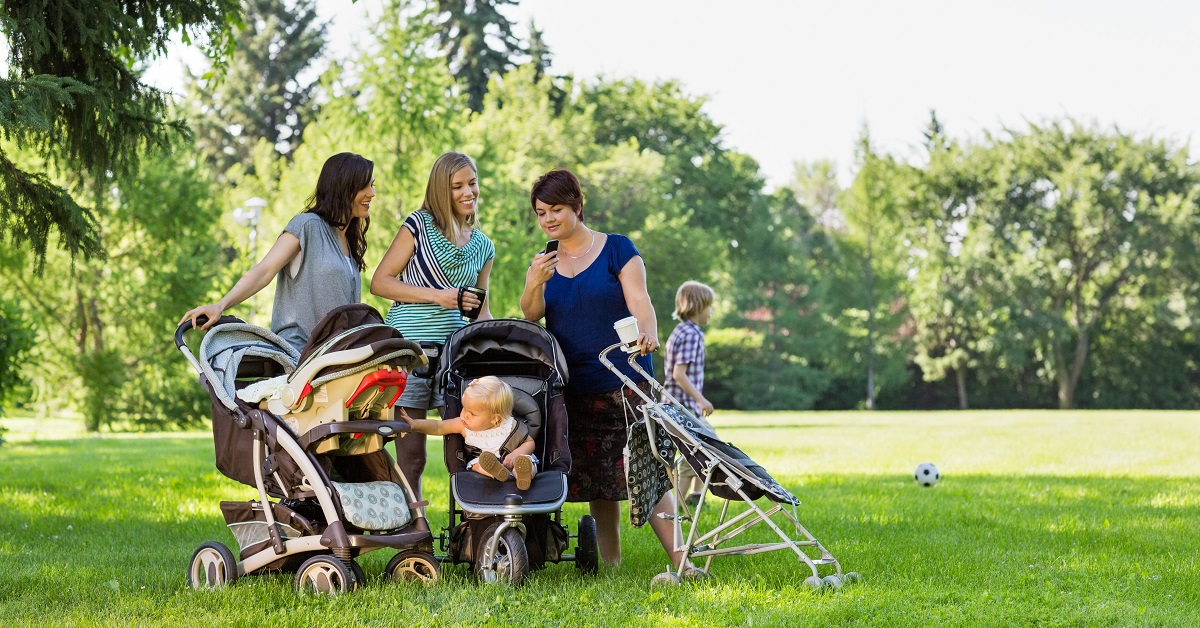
[524,467]
[491,466]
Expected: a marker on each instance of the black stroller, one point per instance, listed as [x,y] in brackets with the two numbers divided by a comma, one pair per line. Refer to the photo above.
[307,430]
[504,532]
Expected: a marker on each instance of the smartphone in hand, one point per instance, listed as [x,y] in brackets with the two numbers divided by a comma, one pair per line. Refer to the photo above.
[551,246]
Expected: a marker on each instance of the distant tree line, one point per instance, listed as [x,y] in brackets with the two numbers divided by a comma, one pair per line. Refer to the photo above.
[1051,265]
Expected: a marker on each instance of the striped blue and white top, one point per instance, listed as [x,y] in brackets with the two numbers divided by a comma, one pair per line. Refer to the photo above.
[437,263]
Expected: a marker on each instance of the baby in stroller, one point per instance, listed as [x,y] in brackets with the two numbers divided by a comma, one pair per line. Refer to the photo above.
[501,445]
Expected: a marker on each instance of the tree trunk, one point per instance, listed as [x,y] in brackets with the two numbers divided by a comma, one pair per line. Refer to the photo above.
[960,378]
[1068,382]
[870,327]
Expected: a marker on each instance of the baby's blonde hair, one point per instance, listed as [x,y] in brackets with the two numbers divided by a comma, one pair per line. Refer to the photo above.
[691,299]
[496,395]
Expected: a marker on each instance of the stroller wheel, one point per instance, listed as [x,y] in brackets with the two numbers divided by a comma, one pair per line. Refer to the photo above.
[851,577]
[508,562]
[814,582]
[324,574]
[665,579]
[360,576]
[213,566]
[833,582]
[587,555]
[414,566]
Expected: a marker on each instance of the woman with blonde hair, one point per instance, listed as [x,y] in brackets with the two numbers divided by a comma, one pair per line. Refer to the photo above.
[437,254]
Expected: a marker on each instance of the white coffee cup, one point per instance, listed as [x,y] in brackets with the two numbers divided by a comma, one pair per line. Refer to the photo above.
[627,330]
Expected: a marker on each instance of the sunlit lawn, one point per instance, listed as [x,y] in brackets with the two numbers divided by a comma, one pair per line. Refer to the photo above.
[1048,518]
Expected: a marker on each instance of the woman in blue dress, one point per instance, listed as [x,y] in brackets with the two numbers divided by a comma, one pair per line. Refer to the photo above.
[436,252]
[591,281]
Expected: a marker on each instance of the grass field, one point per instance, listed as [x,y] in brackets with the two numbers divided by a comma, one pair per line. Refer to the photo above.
[1041,518]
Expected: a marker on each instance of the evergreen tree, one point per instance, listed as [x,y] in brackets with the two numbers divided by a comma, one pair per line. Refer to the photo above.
[263,95]
[101,324]
[539,53]
[466,30]
[74,98]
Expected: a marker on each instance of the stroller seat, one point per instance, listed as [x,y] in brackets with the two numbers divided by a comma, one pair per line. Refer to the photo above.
[505,533]
[379,505]
[356,374]
[482,494]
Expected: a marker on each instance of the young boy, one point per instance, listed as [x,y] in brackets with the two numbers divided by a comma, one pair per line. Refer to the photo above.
[685,365]
[500,444]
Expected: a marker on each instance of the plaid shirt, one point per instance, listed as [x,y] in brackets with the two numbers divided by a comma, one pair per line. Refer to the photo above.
[685,346]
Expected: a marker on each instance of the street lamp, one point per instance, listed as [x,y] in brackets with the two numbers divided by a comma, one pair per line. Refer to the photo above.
[248,217]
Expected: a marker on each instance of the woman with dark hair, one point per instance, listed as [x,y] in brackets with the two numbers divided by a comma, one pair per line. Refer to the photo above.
[593,280]
[318,259]
[437,253]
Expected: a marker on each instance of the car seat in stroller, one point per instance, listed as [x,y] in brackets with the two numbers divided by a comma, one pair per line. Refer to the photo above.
[500,530]
[307,430]
[730,476]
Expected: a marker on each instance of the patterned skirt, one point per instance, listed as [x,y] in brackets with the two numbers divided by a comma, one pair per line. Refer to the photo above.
[597,432]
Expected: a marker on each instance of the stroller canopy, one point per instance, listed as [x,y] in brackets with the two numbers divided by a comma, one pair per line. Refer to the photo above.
[487,341]
[357,325]
[226,346]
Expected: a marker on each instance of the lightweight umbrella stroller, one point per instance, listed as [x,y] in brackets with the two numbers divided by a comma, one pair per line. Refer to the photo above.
[307,430]
[502,531]
[730,476]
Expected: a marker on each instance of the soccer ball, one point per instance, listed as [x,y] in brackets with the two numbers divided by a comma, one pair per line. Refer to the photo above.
[926,474]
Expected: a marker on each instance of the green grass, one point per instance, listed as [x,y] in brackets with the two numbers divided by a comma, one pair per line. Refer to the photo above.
[1041,518]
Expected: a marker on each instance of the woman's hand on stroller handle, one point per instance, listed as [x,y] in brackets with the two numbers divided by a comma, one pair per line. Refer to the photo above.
[201,322]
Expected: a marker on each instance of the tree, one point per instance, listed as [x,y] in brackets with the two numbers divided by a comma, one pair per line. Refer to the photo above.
[102,323]
[540,56]
[816,188]
[782,363]
[950,318]
[16,341]
[1088,224]
[72,95]
[478,41]
[708,180]
[515,138]
[263,93]
[871,209]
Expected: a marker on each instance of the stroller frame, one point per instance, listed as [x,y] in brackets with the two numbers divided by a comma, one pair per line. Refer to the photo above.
[737,480]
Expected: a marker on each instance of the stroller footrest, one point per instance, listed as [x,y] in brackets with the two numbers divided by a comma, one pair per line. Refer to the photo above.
[474,491]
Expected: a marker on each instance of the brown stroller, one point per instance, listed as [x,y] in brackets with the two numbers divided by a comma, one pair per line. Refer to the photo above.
[308,430]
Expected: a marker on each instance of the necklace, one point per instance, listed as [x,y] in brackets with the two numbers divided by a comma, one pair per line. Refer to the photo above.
[589,249]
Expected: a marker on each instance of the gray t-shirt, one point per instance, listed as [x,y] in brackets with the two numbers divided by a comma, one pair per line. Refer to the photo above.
[325,280]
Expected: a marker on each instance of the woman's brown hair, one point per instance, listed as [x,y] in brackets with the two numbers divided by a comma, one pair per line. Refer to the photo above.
[342,177]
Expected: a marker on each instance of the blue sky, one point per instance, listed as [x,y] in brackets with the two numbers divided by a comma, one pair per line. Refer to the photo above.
[797,80]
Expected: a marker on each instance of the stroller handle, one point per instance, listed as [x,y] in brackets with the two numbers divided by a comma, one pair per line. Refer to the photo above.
[186,325]
[200,320]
